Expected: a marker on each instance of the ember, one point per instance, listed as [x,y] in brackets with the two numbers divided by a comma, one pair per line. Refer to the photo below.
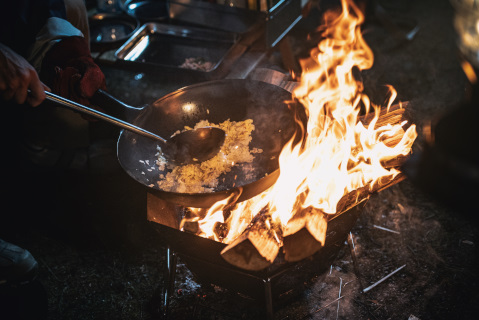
[341,152]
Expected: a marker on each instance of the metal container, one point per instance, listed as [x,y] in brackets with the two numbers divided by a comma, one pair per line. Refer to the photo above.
[146,10]
[165,48]
[220,17]
[278,18]
[109,31]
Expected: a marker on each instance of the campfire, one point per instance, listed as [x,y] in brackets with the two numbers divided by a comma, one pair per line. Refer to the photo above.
[349,149]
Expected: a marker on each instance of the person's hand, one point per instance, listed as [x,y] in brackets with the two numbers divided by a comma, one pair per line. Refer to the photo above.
[18,77]
[71,71]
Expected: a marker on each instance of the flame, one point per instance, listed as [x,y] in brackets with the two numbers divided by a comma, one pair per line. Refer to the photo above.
[339,153]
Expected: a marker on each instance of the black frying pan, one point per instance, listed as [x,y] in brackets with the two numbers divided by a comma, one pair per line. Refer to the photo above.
[216,101]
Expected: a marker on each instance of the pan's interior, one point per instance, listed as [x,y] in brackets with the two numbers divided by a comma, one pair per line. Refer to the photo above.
[215,101]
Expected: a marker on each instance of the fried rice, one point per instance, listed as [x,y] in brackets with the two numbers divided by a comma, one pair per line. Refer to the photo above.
[203,177]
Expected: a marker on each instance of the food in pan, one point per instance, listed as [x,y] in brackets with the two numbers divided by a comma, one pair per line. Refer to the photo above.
[197,63]
[203,177]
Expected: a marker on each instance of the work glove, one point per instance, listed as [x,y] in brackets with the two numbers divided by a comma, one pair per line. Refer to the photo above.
[70,71]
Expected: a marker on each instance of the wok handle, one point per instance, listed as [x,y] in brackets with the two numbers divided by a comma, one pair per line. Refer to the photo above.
[72,105]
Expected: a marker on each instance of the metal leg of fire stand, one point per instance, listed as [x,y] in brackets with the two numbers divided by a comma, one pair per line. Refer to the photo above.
[171,260]
[159,303]
[268,298]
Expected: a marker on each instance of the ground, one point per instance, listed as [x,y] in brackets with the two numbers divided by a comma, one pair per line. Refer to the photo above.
[99,258]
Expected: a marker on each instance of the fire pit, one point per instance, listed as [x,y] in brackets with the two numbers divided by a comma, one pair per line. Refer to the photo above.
[272,285]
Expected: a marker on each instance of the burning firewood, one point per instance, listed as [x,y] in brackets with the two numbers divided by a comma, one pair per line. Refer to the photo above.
[394,115]
[257,247]
[304,234]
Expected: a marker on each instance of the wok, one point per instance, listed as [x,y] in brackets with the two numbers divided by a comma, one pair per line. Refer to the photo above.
[215,101]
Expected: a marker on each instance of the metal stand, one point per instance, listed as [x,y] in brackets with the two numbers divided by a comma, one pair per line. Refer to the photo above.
[159,303]
[268,295]
[281,281]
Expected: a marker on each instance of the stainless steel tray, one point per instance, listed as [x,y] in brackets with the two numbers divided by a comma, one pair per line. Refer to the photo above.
[211,15]
[163,47]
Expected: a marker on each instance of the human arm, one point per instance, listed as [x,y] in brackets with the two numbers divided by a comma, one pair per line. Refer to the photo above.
[57,50]
[18,77]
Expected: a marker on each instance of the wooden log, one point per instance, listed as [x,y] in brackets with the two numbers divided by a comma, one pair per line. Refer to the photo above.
[257,247]
[394,115]
[304,234]
[354,197]
[351,199]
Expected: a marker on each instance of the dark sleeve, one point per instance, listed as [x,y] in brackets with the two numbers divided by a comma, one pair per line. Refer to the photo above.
[20,21]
